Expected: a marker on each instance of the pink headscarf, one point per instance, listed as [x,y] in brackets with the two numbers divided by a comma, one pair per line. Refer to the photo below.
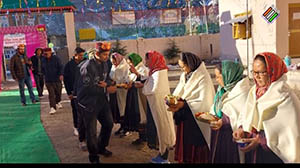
[118,57]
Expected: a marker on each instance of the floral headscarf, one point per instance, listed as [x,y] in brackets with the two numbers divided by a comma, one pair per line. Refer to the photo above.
[275,69]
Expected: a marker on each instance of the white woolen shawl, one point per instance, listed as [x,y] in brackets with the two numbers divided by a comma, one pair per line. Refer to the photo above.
[120,74]
[199,93]
[235,100]
[156,88]
[277,112]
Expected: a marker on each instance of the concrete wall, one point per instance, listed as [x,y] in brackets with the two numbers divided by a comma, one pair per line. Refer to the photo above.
[265,37]
[197,44]
[263,34]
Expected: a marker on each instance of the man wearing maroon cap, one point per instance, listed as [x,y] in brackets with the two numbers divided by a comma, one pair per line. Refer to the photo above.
[53,71]
[93,85]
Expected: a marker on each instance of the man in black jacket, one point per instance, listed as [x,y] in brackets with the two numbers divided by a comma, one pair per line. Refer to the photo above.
[92,88]
[70,76]
[53,71]
[37,70]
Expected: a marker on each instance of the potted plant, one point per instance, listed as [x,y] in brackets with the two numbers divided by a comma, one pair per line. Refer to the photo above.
[172,53]
[118,48]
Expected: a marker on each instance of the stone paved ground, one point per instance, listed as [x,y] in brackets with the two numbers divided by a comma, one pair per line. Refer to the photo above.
[60,130]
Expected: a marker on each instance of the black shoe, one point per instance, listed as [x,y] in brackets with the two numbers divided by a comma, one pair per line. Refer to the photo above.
[34,101]
[137,142]
[124,134]
[95,162]
[152,146]
[24,104]
[105,152]
[41,95]
[119,131]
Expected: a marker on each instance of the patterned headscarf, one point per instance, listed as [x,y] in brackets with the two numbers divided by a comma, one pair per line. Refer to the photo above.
[135,58]
[275,69]
[118,57]
[232,73]
[156,61]
[103,46]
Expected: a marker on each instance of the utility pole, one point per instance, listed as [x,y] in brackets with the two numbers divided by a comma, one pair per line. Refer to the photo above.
[190,17]
[205,15]
[247,36]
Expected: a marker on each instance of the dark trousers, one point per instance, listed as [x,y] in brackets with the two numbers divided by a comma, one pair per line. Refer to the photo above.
[90,117]
[142,132]
[22,82]
[151,129]
[80,123]
[74,112]
[54,89]
[39,81]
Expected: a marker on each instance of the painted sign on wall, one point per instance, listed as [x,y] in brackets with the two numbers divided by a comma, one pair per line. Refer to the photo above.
[13,40]
[170,16]
[127,17]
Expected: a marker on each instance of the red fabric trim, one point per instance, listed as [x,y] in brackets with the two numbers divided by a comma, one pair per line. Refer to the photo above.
[179,144]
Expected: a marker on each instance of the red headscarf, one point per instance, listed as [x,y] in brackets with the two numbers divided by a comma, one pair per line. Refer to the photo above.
[156,62]
[275,69]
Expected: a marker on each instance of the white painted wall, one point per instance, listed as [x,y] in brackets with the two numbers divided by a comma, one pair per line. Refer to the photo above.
[263,34]
[70,32]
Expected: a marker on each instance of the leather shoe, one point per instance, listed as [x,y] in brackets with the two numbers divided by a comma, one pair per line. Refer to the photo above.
[105,152]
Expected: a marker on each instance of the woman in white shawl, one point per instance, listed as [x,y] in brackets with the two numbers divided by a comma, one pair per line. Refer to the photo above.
[155,89]
[120,74]
[196,91]
[270,122]
[140,73]
[229,100]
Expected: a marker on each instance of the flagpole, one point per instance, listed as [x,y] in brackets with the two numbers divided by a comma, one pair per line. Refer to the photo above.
[190,16]
[247,36]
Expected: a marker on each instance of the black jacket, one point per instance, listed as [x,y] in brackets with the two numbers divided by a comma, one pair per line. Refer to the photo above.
[35,60]
[89,94]
[70,75]
[52,69]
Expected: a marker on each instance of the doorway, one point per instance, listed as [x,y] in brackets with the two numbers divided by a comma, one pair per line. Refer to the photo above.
[8,53]
[294,30]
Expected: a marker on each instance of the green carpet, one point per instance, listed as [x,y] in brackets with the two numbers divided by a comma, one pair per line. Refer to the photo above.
[22,136]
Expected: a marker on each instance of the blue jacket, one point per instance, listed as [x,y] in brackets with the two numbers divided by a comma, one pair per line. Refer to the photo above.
[52,69]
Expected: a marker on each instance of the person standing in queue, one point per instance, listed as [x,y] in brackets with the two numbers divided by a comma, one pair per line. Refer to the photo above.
[93,84]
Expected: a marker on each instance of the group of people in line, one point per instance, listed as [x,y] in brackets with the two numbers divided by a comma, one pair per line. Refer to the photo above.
[46,68]
[255,123]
